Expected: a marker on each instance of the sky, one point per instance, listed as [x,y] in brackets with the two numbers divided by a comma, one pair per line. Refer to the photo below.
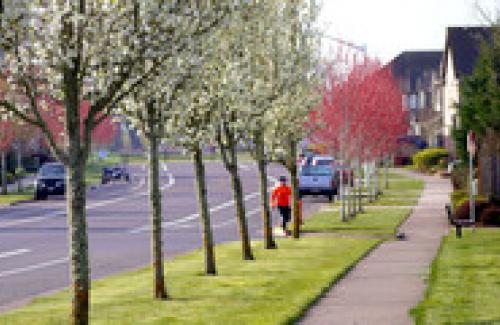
[389,27]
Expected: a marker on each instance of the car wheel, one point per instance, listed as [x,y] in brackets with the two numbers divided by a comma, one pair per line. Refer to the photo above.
[330,197]
[40,196]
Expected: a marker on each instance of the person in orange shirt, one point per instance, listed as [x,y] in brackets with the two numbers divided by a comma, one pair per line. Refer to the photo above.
[280,197]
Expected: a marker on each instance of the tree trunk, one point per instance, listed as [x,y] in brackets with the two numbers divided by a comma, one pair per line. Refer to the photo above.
[160,291]
[269,242]
[370,182]
[353,193]
[240,214]
[20,170]
[386,166]
[208,243]
[350,210]
[76,200]
[230,160]
[342,190]
[4,172]
[360,187]
[294,181]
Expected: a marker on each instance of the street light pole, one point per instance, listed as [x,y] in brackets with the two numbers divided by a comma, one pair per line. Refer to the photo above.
[471,149]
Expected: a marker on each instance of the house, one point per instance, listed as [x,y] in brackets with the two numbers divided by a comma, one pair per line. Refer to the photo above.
[462,49]
[417,73]
[459,58]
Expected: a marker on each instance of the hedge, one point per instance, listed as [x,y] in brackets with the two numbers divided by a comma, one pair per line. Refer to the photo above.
[429,158]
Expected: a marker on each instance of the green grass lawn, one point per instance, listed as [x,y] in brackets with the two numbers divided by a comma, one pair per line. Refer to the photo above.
[464,282]
[373,222]
[403,191]
[274,289]
[16,197]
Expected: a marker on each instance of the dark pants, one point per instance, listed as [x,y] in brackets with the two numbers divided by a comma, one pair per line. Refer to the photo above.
[286,215]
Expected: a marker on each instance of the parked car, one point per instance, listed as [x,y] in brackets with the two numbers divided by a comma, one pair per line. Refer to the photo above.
[318,180]
[109,174]
[50,180]
[305,159]
[322,161]
[347,173]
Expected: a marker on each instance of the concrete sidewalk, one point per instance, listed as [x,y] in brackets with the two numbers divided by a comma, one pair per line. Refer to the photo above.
[383,287]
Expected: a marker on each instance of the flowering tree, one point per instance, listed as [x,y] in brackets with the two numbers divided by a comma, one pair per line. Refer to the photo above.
[297,78]
[7,137]
[362,115]
[191,125]
[259,84]
[150,108]
[102,134]
[83,50]
[232,117]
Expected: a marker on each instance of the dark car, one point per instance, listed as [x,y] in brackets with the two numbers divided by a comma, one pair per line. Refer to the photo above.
[50,180]
[109,174]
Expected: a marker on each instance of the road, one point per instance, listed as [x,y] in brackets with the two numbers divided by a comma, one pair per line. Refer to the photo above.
[33,236]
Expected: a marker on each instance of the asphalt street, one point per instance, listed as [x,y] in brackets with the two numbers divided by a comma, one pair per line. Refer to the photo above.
[33,236]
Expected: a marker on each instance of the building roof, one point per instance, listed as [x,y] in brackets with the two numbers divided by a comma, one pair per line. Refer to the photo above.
[415,65]
[415,61]
[465,43]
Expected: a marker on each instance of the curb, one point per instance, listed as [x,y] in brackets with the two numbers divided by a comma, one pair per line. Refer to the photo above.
[12,204]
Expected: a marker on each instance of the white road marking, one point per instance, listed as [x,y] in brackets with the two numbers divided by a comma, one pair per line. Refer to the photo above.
[33,267]
[15,253]
[225,223]
[63,260]
[171,182]
[233,220]
[194,215]
[254,211]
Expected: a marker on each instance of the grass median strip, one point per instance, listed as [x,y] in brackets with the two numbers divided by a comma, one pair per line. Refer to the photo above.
[12,198]
[377,222]
[273,289]
[464,281]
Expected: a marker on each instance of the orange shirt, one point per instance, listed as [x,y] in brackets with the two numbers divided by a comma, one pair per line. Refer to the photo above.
[281,195]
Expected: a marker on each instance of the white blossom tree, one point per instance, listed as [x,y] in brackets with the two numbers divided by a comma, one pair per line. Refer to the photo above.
[84,50]
[150,108]
[298,75]
[233,114]
[191,125]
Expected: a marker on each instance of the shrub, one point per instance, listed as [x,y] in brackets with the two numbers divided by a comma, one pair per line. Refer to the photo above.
[463,209]
[491,216]
[10,178]
[459,177]
[429,158]
[458,197]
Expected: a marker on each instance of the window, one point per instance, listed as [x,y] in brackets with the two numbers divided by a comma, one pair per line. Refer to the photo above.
[413,101]
[316,171]
[428,99]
